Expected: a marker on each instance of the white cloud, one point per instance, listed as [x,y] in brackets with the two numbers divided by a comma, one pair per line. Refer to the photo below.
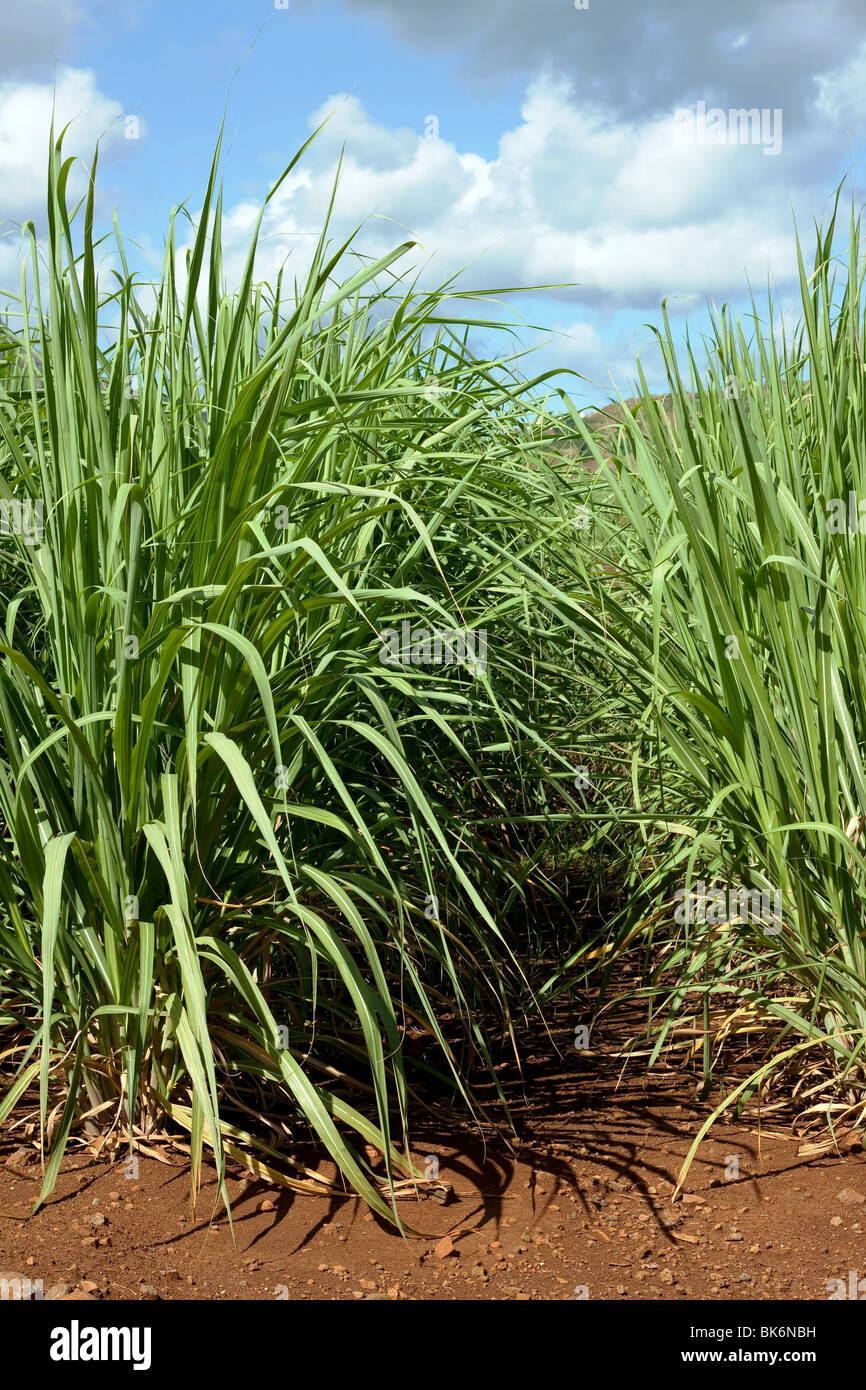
[636,58]
[35,33]
[603,354]
[25,123]
[619,209]
[842,93]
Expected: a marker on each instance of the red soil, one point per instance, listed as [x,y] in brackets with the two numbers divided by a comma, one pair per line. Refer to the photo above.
[582,1210]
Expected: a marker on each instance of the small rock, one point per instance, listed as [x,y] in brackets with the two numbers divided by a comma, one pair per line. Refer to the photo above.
[97,1219]
[850,1197]
[266,1204]
[444,1248]
[57,1292]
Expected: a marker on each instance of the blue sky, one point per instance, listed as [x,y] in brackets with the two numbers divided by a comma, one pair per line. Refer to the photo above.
[273,67]
[568,144]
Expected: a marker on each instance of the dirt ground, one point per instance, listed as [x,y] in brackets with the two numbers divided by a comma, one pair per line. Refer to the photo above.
[582,1210]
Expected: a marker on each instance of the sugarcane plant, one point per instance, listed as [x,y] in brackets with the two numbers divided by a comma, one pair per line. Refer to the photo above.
[730,609]
[251,852]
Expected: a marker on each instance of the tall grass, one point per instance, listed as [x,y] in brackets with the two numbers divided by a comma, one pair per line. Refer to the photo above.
[731,618]
[256,884]
[242,860]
